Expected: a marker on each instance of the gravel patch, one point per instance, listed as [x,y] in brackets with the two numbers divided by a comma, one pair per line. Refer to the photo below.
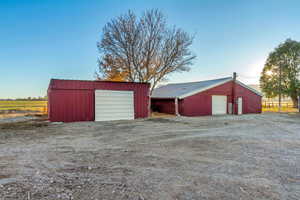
[16,119]
[220,157]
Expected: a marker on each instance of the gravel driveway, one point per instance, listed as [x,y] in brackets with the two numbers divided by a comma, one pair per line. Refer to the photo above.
[225,157]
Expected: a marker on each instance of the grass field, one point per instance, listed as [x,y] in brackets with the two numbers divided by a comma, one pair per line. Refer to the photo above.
[283,109]
[286,106]
[39,106]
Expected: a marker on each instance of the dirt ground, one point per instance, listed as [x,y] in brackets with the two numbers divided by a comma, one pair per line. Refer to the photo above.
[224,157]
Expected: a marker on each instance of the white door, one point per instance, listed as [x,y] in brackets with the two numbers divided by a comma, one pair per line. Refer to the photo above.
[113,105]
[219,105]
[240,105]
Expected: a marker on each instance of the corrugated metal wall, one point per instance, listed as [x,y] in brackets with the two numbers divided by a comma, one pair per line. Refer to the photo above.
[200,104]
[251,101]
[71,105]
[73,100]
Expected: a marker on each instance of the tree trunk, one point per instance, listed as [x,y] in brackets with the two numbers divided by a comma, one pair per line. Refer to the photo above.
[295,101]
[279,99]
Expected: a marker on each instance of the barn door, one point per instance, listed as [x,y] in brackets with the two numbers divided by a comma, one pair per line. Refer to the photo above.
[219,105]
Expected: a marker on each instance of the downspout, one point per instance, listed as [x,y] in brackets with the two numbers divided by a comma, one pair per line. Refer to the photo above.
[233,101]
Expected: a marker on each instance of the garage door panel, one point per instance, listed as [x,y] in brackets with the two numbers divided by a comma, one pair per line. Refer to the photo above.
[122,115]
[114,102]
[115,109]
[116,106]
[114,97]
[107,95]
[115,118]
[113,105]
[108,115]
[119,102]
[116,112]
[219,105]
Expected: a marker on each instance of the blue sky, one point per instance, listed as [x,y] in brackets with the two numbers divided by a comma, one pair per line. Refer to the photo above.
[44,39]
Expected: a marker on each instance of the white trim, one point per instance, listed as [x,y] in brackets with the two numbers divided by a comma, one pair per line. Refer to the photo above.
[249,88]
[203,89]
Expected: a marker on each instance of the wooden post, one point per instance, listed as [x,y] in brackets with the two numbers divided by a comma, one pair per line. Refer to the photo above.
[176,107]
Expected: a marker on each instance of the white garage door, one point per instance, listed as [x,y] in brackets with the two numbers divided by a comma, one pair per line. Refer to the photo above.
[113,105]
[219,105]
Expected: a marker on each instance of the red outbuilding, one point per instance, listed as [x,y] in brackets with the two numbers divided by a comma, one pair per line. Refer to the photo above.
[76,100]
[212,97]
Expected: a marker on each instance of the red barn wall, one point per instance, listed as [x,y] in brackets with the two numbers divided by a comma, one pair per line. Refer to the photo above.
[251,101]
[200,103]
[71,105]
[73,100]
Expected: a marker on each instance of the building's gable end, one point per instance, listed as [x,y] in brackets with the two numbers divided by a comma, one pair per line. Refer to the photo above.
[204,89]
[249,88]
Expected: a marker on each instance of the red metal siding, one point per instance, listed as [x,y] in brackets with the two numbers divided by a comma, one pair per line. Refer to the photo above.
[71,105]
[251,101]
[72,100]
[201,103]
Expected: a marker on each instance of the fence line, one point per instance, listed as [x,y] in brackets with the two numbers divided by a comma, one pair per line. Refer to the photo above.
[276,104]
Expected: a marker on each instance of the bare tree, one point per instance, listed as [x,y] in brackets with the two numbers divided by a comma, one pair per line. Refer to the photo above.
[142,49]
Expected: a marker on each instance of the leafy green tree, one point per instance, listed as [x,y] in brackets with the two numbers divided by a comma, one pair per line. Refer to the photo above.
[281,72]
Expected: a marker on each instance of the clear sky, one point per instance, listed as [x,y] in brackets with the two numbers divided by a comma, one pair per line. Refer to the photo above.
[44,39]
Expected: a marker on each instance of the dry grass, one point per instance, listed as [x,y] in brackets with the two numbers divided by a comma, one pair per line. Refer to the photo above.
[283,109]
[38,106]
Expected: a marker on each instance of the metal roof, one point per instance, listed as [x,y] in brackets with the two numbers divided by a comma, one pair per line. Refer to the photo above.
[182,90]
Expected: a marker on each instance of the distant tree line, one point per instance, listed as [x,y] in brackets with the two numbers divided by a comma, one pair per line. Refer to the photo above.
[26,99]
